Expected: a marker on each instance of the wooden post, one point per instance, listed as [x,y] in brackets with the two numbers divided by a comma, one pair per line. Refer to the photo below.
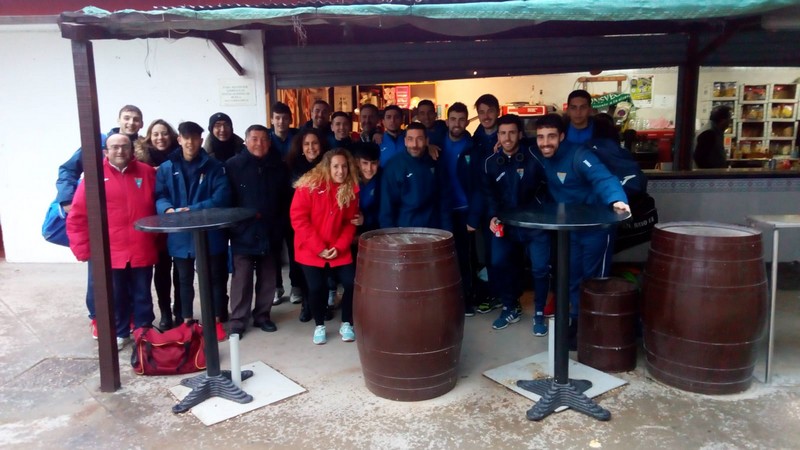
[686,107]
[92,158]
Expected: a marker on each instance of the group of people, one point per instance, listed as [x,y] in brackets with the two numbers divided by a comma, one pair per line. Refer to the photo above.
[318,187]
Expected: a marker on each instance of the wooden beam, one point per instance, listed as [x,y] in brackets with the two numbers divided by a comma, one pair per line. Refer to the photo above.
[686,107]
[88,118]
[228,57]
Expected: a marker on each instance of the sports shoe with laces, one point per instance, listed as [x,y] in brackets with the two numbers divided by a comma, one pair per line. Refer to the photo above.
[489,305]
[346,330]
[221,336]
[539,325]
[122,342]
[469,310]
[94,329]
[319,335]
[507,316]
[296,295]
[278,296]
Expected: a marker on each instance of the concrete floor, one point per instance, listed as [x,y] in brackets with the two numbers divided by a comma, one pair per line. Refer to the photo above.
[50,398]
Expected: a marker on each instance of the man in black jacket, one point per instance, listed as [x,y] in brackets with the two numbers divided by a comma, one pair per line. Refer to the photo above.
[259,180]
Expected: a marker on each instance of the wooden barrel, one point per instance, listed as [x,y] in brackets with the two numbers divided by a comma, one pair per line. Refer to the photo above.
[607,324]
[704,306]
[409,312]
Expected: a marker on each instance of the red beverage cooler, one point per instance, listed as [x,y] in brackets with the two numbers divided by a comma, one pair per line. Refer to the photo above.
[528,114]
[659,141]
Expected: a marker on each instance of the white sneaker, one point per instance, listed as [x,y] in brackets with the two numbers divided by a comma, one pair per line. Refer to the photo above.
[278,296]
[122,342]
[296,295]
[347,332]
[319,335]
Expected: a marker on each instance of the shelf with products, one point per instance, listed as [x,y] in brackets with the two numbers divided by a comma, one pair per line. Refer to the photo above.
[754,112]
[783,110]
[752,148]
[754,93]
[782,130]
[752,130]
[720,90]
[783,92]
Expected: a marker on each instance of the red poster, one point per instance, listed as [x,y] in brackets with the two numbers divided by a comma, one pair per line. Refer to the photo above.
[403,96]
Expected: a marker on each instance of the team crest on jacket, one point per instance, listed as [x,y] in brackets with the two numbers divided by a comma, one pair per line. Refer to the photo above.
[138,182]
[433,170]
[561,176]
[521,172]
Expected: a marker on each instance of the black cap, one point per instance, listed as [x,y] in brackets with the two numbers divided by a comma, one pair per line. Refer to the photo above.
[216,117]
[190,129]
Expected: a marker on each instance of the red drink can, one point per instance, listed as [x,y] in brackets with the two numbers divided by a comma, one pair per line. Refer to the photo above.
[498,230]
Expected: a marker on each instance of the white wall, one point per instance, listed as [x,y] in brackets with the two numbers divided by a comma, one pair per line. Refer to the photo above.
[175,80]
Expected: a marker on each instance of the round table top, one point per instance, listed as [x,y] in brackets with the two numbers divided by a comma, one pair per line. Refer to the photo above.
[561,216]
[199,220]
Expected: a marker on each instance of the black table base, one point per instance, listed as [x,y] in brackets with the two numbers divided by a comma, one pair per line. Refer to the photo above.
[555,395]
[205,386]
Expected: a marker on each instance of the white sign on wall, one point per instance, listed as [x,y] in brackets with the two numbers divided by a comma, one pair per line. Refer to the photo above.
[237,92]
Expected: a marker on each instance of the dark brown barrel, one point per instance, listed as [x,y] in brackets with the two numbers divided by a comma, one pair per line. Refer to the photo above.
[409,312]
[607,324]
[704,306]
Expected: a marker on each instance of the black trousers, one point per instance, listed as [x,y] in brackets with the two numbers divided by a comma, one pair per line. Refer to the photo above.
[317,280]
[219,285]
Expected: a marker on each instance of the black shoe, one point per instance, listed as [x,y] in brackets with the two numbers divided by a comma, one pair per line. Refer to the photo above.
[239,331]
[305,315]
[165,323]
[329,313]
[267,325]
[469,311]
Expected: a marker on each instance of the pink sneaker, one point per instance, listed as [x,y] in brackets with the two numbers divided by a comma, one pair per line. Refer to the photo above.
[94,329]
[221,336]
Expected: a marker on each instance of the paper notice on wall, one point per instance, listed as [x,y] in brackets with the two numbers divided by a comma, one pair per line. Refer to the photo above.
[664,101]
[237,92]
[642,90]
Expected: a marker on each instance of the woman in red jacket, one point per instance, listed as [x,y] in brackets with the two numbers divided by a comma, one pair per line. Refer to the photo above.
[325,202]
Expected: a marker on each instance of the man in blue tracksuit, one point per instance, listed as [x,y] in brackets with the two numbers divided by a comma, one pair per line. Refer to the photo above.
[192,180]
[513,178]
[436,129]
[483,142]
[414,189]
[456,145]
[580,128]
[393,140]
[576,175]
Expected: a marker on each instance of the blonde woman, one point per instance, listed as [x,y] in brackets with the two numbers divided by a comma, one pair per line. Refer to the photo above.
[324,205]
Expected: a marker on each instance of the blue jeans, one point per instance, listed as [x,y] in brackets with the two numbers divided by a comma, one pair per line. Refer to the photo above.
[536,244]
[132,297]
[590,256]
[90,292]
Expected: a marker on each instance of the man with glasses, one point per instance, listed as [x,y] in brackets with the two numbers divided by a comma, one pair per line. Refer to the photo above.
[130,196]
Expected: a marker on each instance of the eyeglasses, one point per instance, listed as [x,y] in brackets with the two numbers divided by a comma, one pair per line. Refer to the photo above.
[116,148]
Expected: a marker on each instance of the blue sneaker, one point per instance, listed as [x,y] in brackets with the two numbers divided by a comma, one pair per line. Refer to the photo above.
[539,325]
[346,330]
[507,316]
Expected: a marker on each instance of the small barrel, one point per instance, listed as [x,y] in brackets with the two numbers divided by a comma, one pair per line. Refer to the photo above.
[607,324]
[409,312]
[704,306]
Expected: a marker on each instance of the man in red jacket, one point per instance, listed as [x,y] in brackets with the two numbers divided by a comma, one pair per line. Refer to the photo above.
[130,195]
